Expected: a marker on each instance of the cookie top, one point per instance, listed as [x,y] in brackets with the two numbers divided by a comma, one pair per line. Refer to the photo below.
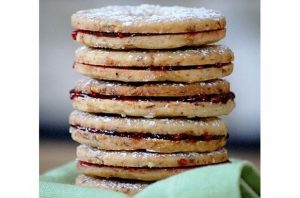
[148,19]
[205,55]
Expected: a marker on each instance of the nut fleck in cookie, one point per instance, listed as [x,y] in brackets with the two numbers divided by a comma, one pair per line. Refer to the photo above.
[147,27]
[129,187]
[142,159]
[157,135]
[182,65]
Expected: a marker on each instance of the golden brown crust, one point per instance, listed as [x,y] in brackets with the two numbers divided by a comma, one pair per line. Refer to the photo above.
[203,126]
[109,142]
[128,75]
[151,109]
[205,55]
[167,41]
[152,89]
[148,159]
[125,186]
[148,19]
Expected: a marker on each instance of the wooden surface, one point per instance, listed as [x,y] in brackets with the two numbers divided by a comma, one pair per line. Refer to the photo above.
[56,153]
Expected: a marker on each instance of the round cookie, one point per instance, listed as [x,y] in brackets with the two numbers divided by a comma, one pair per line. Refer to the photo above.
[129,187]
[122,27]
[144,174]
[162,126]
[126,141]
[152,89]
[194,74]
[147,159]
[203,55]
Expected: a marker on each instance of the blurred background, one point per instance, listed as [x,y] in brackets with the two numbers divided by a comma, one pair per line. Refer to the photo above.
[57,77]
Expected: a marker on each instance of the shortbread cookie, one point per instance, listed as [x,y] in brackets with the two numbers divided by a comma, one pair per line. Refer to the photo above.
[174,74]
[190,106]
[164,126]
[112,140]
[144,174]
[147,26]
[147,159]
[152,89]
[129,187]
[203,55]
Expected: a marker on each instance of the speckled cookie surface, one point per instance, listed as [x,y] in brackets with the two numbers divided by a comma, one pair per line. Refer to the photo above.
[132,75]
[128,187]
[165,126]
[148,19]
[152,89]
[205,55]
[117,142]
[148,159]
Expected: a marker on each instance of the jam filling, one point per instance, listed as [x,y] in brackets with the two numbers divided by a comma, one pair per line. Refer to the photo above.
[88,164]
[214,98]
[164,83]
[176,137]
[122,35]
[159,68]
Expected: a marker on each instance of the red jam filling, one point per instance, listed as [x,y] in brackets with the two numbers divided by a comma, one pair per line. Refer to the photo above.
[176,137]
[214,98]
[159,68]
[122,35]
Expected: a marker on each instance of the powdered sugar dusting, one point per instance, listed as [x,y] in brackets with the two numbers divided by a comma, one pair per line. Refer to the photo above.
[145,13]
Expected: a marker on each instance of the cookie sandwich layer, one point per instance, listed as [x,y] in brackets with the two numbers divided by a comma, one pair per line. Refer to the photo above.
[147,26]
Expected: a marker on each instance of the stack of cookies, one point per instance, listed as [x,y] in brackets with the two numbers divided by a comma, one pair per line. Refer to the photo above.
[151,107]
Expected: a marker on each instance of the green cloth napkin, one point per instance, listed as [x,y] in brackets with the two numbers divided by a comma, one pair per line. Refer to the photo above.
[230,180]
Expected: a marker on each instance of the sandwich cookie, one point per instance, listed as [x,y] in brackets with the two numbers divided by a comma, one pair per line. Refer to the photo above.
[206,99]
[129,187]
[181,65]
[147,27]
[147,173]
[154,135]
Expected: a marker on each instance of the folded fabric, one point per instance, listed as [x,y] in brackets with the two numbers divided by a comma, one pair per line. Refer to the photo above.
[232,180]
